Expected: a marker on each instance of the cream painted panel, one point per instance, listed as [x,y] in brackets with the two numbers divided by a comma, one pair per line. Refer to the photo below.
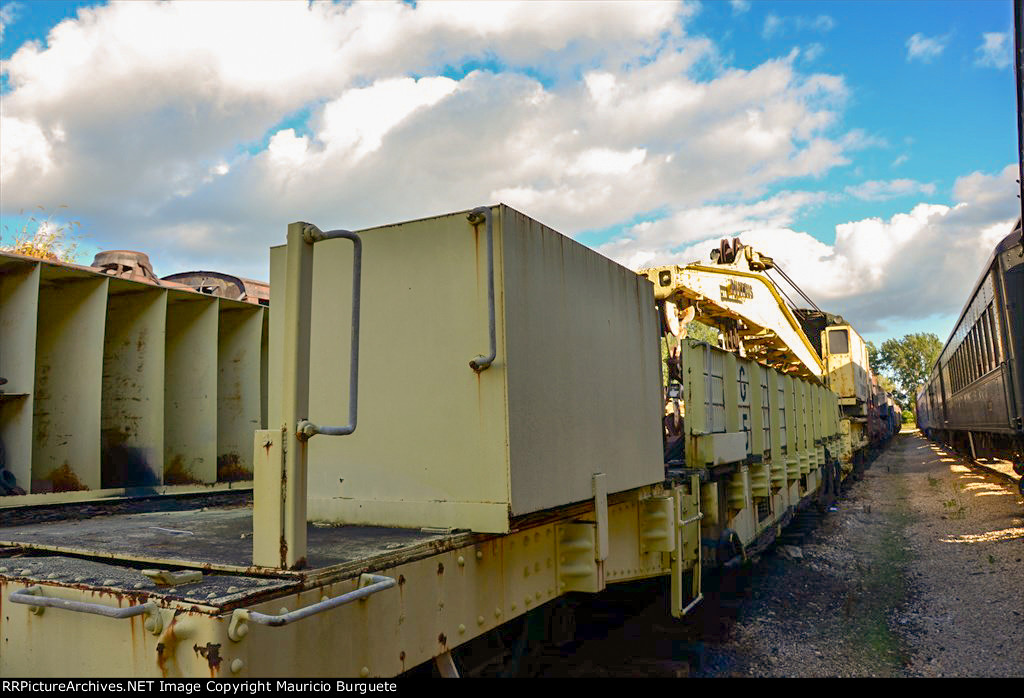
[430,429]
[132,413]
[69,372]
[190,393]
[584,379]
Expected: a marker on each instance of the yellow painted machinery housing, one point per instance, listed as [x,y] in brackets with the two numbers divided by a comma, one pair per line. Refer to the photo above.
[755,319]
[496,394]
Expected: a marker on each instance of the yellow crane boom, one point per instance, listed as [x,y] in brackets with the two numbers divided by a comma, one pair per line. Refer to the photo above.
[735,295]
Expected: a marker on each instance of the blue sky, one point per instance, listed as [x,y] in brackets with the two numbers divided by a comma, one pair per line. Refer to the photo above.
[867,145]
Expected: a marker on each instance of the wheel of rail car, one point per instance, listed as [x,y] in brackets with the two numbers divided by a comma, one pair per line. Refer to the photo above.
[729,547]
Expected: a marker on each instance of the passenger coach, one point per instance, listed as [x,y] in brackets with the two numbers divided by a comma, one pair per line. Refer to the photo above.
[974,398]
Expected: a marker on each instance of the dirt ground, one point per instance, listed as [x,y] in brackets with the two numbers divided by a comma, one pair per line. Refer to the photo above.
[920,572]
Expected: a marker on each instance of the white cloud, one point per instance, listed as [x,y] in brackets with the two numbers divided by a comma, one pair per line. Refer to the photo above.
[772,26]
[782,26]
[878,190]
[916,264]
[357,122]
[924,48]
[288,151]
[996,50]
[666,238]
[604,161]
[24,150]
[163,123]
[900,159]
[739,6]
[8,15]
[813,52]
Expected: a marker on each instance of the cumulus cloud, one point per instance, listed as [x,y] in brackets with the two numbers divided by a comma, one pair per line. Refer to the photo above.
[193,131]
[879,190]
[650,242]
[915,264]
[996,50]
[8,14]
[925,48]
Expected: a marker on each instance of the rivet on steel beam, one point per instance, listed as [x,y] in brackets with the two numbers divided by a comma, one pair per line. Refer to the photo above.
[237,665]
[461,561]
[462,628]
[364,672]
[479,554]
[479,620]
[497,613]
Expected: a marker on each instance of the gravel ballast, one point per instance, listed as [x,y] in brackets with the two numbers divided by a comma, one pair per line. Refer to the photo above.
[920,572]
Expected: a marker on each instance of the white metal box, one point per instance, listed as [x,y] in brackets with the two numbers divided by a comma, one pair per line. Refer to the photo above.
[575,389]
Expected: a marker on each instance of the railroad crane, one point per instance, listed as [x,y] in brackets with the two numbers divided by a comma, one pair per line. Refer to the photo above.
[756,318]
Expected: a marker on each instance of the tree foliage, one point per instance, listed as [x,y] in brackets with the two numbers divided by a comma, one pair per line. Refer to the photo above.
[705,333]
[908,362]
[873,358]
[45,239]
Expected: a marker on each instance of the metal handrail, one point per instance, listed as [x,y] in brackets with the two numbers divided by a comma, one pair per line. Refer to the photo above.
[307,428]
[373,583]
[481,363]
[33,597]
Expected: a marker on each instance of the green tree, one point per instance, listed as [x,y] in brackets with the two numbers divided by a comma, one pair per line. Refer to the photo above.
[705,333]
[909,361]
[885,383]
[873,358]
